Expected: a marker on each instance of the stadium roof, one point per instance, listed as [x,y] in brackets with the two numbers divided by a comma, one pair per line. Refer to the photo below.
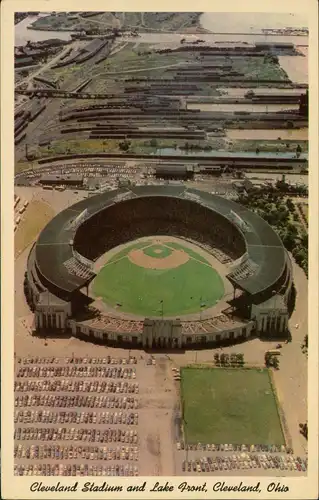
[55,244]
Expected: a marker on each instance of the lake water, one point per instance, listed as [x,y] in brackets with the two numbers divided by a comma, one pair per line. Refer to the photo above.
[226,154]
[233,92]
[250,22]
[174,38]
[252,108]
[295,67]
[22,34]
[272,135]
[218,22]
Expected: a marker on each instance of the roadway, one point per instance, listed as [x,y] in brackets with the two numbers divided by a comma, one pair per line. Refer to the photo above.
[46,66]
[217,158]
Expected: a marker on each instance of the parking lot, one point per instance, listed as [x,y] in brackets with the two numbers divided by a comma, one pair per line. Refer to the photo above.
[214,460]
[77,416]
[65,426]
[83,416]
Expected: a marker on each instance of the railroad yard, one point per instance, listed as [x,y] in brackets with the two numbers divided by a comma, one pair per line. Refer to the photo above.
[169,100]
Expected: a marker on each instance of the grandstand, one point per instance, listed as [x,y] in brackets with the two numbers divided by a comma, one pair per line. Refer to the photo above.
[61,265]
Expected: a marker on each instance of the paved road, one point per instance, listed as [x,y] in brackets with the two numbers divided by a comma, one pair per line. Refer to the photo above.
[291,378]
[150,68]
[45,67]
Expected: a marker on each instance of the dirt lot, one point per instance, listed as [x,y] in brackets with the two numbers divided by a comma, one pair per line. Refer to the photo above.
[36,216]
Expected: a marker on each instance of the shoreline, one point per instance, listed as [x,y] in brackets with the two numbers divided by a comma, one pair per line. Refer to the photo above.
[184,31]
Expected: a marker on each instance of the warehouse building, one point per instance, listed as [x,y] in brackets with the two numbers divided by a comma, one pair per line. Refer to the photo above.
[62,180]
[173,171]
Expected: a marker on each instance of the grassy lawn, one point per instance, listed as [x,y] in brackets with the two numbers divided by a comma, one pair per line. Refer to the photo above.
[266,145]
[20,166]
[61,20]
[101,146]
[305,210]
[60,74]
[140,290]
[258,67]
[130,59]
[229,406]
[36,216]
[78,146]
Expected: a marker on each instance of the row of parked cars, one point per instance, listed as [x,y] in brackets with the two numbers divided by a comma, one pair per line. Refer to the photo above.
[75,470]
[95,361]
[76,371]
[75,417]
[75,386]
[61,452]
[271,448]
[246,462]
[71,434]
[51,400]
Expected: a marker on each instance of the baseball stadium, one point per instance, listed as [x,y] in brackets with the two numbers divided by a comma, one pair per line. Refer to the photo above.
[160,266]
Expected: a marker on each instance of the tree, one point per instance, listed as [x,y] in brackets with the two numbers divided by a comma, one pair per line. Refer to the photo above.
[267,359]
[290,205]
[153,143]
[275,362]
[300,255]
[304,239]
[240,359]
[233,359]
[125,145]
[289,240]
[304,429]
[271,360]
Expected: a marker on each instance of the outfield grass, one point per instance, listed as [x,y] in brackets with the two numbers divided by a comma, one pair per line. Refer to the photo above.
[140,290]
[229,406]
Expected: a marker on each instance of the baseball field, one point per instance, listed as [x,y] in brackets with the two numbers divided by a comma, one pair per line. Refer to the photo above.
[234,406]
[158,278]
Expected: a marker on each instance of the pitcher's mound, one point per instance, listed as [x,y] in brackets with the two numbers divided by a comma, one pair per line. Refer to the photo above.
[175,259]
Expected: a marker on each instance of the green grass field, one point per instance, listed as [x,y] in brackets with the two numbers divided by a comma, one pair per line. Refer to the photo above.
[140,290]
[229,406]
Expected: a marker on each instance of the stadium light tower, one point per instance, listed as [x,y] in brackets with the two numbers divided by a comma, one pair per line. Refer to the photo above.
[202,305]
